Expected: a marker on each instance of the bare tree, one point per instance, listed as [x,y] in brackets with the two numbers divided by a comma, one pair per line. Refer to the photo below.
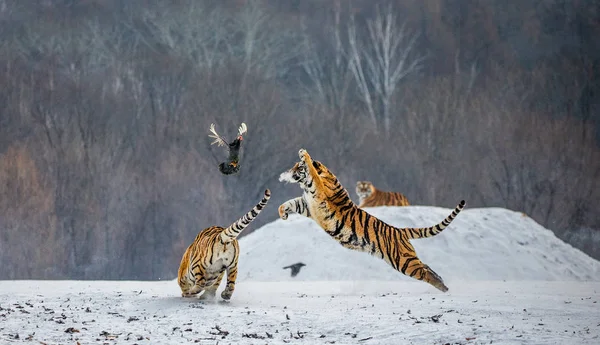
[104,150]
[327,66]
[267,46]
[177,30]
[380,61]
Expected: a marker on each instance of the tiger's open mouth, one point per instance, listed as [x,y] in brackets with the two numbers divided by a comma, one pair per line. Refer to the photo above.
[287,176]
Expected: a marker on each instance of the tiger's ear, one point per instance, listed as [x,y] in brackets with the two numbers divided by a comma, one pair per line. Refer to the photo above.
[358,183]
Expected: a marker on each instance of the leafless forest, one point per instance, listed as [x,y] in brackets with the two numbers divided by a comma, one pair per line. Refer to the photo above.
[106,169]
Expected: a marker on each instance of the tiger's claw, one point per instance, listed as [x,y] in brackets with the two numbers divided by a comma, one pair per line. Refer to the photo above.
[303,154]
[282,212]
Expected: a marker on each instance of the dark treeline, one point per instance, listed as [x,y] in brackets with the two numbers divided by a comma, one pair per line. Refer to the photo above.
[106,171]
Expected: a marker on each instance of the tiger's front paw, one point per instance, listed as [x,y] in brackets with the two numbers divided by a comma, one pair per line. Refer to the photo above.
[283,212]
[303,154]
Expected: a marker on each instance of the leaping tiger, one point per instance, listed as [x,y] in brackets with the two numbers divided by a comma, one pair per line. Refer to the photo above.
[326,201]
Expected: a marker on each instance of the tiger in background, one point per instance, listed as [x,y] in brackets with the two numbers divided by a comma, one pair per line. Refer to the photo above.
[326,201]
[214,251]
[369,196]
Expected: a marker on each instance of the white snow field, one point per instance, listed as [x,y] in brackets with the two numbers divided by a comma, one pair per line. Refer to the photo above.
[541,292]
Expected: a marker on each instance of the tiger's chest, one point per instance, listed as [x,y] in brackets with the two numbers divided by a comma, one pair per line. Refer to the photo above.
[372,200]
[328,218]
[319,211]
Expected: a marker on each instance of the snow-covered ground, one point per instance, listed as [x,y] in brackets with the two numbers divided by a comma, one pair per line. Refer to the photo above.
[511,282]
[348,312]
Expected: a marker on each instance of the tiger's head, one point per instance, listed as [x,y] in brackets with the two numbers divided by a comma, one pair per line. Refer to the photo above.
[364,189]
[299,172]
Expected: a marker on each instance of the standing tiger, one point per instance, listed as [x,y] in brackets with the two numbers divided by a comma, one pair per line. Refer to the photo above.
[326,201]
[214,251]
[369,196]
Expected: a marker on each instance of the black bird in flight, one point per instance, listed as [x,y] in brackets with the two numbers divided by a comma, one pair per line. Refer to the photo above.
[295,268]
[232,165]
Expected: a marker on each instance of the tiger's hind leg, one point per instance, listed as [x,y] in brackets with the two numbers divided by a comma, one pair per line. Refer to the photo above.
[415,268]
[231,277]
[211,291]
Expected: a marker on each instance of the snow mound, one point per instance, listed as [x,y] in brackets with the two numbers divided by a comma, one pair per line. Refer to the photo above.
[480,244]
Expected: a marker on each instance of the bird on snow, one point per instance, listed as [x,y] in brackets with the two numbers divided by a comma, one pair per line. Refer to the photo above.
[232,165]
[295,268]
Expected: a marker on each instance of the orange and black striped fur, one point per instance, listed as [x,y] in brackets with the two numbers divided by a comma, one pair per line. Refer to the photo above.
[370,196]
[326,201]
[214,251]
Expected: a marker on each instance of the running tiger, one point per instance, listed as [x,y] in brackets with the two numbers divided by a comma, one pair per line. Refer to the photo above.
[369,196]
[326,201]
[214,250]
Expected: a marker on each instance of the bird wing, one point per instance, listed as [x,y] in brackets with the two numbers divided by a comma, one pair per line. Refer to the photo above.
[243,129]
[219,140]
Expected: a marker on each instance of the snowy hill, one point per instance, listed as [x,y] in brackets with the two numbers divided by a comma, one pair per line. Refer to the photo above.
[480,244]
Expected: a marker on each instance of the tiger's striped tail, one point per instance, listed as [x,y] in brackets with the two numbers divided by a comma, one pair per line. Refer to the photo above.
[237,227]
[436,229]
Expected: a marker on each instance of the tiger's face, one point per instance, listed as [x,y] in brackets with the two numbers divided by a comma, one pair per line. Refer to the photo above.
[299,172]
[364,189]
